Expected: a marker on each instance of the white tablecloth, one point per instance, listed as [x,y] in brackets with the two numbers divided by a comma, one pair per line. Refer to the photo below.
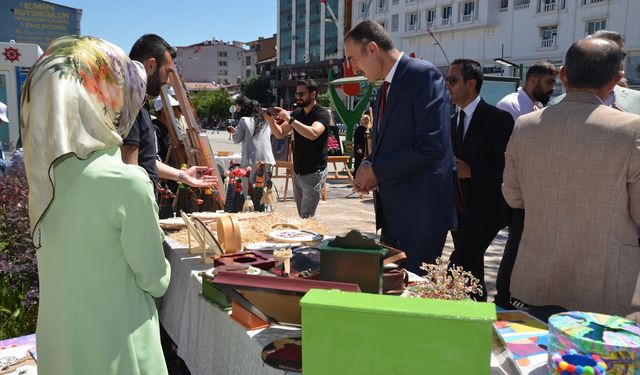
[209,341]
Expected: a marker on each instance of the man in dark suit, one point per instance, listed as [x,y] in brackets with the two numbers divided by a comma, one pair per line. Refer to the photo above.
[411,163]
[479,133]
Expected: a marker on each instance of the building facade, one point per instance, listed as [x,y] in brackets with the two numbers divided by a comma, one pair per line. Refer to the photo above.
[519,31]
[309,43]
[211,61]
[259,51]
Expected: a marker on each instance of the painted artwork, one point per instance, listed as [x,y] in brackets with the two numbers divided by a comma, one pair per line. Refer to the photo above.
[525,337]
[280,148]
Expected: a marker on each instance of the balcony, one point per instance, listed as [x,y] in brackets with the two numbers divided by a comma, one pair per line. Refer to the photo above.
[522,4]
[445,21]
[547,43]
[467,17]
[429,24]
[411,27]
[549,7]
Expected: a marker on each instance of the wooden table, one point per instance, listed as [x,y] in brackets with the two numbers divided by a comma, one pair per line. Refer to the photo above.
[344,159]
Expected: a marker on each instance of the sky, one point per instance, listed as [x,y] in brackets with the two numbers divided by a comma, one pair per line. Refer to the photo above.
[181,22]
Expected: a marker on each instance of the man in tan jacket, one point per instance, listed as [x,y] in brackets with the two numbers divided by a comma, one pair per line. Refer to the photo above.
[575,167]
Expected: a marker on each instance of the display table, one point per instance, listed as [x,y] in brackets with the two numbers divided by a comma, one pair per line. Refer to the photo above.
[210,342]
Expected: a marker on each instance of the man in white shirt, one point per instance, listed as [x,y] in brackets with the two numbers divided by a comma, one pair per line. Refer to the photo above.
[538,88]
[536,92]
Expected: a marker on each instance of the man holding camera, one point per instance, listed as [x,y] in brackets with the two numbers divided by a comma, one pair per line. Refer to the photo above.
[309,123]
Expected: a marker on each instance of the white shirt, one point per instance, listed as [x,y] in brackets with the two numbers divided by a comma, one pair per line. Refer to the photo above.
[518,104]
[468,113]
[392,72]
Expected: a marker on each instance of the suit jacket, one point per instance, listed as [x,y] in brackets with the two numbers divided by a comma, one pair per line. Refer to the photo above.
[483,149]
[575,168]
[412,155]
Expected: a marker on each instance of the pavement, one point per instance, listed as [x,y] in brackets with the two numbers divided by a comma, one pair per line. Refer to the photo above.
[343,211]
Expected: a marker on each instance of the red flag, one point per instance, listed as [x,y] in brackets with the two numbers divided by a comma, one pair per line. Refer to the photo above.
[197,49]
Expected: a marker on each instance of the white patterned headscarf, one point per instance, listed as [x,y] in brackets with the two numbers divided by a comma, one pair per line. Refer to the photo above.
[82,95]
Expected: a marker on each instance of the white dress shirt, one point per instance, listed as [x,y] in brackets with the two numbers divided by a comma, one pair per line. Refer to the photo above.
[518,103]
[468,113]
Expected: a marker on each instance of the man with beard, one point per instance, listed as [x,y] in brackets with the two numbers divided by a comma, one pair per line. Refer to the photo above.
[309,122]
[537,90]
[139,147]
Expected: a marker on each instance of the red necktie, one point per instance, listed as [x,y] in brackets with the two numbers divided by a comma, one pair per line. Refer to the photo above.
[383,101]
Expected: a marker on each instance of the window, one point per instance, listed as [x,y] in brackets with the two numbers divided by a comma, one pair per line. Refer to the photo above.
[382,4]
[222,72]
[412,21]
[222,63]
[362,8]
[595,25]
[394,22]
[550,5]
[548,36]
[504,4]
[395,2]
[520,4]
[431,16]
[248,59]
[446,15]
[468,10]
[248,73]
[585,2]
[222,54]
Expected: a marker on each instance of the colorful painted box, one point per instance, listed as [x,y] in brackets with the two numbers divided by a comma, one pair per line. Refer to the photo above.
[358,266]
[616,340]
[360,333]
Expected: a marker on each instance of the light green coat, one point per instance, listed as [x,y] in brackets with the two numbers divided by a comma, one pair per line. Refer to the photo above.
[100,266]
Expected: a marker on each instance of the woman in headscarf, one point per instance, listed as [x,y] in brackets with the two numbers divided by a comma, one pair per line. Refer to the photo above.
[255,135]
[93,218]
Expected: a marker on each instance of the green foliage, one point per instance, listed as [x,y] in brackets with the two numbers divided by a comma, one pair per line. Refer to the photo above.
[19,291]
[258,88]
[325,100]
[212,104]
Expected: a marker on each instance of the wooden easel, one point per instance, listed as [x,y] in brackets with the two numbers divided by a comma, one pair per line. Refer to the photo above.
[194,147]
[288,167]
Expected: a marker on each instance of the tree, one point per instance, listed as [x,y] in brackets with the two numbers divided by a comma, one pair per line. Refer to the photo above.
[212,104]
[258,88]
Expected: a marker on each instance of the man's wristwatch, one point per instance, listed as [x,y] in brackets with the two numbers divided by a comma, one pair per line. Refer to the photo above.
[180,176]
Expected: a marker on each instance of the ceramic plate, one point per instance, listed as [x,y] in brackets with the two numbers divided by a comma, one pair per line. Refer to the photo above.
[294,235]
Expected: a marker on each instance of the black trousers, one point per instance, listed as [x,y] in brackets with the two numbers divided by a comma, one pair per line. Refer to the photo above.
[503,280]
[470,243]
[425,249]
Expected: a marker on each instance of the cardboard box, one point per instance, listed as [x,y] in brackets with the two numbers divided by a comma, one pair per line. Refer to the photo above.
[360,333]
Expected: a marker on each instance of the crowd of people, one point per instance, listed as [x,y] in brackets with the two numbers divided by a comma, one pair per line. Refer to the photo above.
[574,166]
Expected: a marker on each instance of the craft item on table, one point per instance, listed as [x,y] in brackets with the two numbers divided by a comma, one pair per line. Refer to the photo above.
[248,258]
[194,234]
[444,282]
[235,195]
[268,247]
[284,256]
[572,362]
[284,354]
[210,244]
[256,229]
[172,223]
[223,153]
[394,277]
[247,206]
[525,339]
[16,356]
[362,333]
[295,235]
[272,299]
[353,258]
[616,340]
[229,234]
[212,293]
[269,199]
[258,187]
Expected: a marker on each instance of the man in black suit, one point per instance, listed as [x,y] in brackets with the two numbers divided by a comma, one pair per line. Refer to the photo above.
[479,134]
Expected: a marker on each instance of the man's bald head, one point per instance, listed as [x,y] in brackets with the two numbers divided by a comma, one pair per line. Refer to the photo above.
[592,63]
